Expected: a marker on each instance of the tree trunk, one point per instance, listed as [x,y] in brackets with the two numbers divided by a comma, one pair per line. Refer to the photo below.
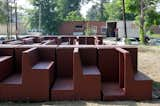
[101,9]
[142,32]
[124,19]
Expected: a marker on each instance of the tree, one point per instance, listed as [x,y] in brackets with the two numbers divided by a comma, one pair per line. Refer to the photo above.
[66,6]
[44,13]
[50,13]
[74,16]
[113,10]
[93,13]
[97,12]
[88,30]
[140,8]
[3,12]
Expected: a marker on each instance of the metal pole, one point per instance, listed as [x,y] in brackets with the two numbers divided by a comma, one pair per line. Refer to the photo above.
[11,20]
[124,19]
[40,17]
[8,34]
[16,16]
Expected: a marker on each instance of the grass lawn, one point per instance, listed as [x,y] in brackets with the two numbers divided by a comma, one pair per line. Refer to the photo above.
[155,36]
[148,63]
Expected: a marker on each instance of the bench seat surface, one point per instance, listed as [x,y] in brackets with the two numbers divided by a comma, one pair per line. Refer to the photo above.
[43,65]
[63,84]
[13,79]
[90,70]
[3,58]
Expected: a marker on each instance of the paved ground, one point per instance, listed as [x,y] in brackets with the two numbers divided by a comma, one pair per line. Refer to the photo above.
[149,63]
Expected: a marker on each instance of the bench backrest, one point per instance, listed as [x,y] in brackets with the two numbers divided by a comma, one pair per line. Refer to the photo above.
[108,64]
[88,56]
[64,62]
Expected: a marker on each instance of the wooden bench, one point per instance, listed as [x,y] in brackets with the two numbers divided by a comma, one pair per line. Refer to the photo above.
[64,86]
[88,74]
[38,72]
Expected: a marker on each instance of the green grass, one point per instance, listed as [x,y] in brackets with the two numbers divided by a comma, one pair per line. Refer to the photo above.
[155,35]
[156,85]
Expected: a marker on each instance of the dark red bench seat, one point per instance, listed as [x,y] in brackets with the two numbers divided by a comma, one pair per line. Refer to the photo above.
[63,84]
[63,89]
[91,70]
[43,65]
[13,79]
[112,91]
[139,76]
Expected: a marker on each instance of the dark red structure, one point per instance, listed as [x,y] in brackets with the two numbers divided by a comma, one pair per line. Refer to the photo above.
[80,69]
[79,27]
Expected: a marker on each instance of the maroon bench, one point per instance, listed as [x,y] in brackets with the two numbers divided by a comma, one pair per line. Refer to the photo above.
[88,74]
[120,79]
[71,72]
[63,87]
[137,85]
[10,80]
[38,70]
[28,40]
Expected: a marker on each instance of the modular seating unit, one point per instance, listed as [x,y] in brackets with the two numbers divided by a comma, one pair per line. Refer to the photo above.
[100,40]
[49,42]
[82,40]
[68,40]
[28,40]
[137,85]
[17,42]
[88,40]
[71,72]
[64,85]
[72,40]
[38,39]
[57,40]
[108,65]
[120,78]
[52,38]
[10,80]
[91,40]
[38,70]
[88,74]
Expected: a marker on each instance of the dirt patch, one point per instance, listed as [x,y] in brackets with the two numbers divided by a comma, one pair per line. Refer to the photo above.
[149,61]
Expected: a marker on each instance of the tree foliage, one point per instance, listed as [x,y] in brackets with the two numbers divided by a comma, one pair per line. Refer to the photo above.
[93,13]
[53,12]
[3,12]
[74,16]
[50,13]
[146,15]
[112,10]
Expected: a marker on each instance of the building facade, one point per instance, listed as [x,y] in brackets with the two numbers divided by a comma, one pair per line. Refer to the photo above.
[80,27]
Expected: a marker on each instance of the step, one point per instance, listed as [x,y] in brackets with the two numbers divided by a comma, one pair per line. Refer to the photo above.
[3,58]
[112,91]
[64,84]
[13,79]
[63,89]
[139,76]
[43,65]
[91,70]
